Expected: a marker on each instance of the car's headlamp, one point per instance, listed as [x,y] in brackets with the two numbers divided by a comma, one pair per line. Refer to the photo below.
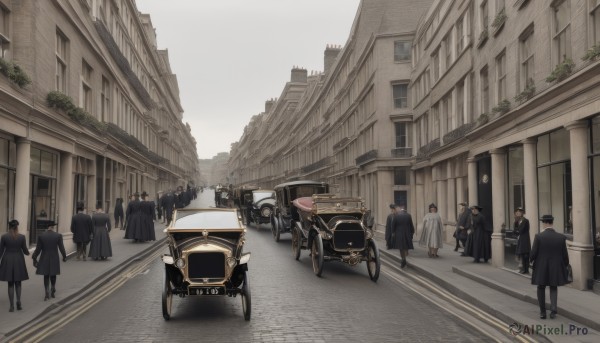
[231,262]
[180,263]
[168,259]
[245,258]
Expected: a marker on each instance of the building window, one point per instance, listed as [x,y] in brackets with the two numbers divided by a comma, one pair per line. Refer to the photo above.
[400,95]
[402,51]
[484,16]
[501,77]
[436,65]
[4,32]
[562,31]
[401,135]
[460,36]
[448,113]
[485,90]
[526,57]
[435,121]
[401,176]
[86,89]
[595,21]
[61,62]
[499,5]
[460,103]
[448,50]
[105,100]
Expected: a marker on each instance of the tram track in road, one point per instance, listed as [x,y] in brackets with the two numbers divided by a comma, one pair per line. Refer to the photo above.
[53,320]
[476,318]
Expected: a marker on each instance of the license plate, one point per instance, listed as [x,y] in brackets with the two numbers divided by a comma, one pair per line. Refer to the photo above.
[207,291]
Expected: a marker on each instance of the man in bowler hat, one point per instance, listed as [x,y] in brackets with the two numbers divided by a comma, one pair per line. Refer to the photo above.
[550,260]
[521,228]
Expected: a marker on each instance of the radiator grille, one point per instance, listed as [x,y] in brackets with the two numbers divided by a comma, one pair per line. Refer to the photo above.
[206,265]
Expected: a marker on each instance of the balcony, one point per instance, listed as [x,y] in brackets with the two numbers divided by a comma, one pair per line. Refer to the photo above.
[403,152]
[366,157]
[317,165]
[458,133]
[426,150]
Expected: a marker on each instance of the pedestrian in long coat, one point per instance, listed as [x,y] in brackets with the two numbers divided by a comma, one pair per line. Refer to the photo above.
[404,231]
[135,220]
[462,225]
[148,217]
[49,243]
[482,237]
[550,260]
[13,249]
[389,234]
[119,214]
[101,248]
[82,229]
[169,205]
[432,231]
[128,212]
[521,227]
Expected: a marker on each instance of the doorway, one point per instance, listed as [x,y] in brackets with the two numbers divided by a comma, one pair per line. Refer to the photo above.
[43,206]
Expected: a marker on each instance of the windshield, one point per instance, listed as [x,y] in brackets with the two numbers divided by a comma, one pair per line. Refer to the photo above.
[306,191]
[257,196]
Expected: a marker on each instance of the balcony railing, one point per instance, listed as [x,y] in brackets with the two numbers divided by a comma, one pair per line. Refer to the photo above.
[402,152]
[458,133]
[366,157]
[320,164]
[426,150]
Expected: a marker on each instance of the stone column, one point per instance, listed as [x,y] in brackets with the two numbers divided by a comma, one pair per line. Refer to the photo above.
[472,181]
[65,185]
[91,186]
[22,185]
[498,204]
[531,189]
[581,249]
[451,208]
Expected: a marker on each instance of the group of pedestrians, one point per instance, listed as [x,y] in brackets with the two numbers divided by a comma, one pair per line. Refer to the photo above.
[92,229]
[139,218]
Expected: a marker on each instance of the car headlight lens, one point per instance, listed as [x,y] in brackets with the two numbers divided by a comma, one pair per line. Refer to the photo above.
[265,212]
[231,262]
[180,263]
[245,258]
[369,234]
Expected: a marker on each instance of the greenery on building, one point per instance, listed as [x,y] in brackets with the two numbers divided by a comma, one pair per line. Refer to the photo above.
[14,73]
[502,107]
[527,93]
[59,100]
[483,118]
[562,71]
[592,53]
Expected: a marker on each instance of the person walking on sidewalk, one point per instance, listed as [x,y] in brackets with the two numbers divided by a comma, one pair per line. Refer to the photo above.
[389,233]
[521,227]
[119,214]
[462,225]
[100,248]
[404,231]
[12,262]
[432,231]
[482,239]
[550,260]
[49,243]
[82,229]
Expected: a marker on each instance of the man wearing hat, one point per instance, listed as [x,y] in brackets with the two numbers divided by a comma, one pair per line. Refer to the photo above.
[462,225]
[482,236]
[550,260]
[389,233]
[521,228]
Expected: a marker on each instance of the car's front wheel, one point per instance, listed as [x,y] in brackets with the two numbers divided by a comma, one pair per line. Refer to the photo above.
[167,296]
[316,253]
[373,261]
[246,298]
[296,242]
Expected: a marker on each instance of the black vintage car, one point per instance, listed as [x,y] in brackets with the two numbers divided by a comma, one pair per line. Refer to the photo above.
[241,197]
[285,193]
[260,207]
[206,257]
[333,229]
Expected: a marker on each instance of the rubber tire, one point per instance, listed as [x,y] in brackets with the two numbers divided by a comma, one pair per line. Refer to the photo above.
[277,232]
[167,297]
[373,260]
[296,243]
[246,298]
[317,254]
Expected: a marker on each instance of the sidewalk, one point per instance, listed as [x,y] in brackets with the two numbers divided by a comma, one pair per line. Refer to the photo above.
[74,276]
[506,294]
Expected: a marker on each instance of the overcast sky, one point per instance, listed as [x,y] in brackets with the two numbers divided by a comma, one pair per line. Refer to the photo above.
[232,55]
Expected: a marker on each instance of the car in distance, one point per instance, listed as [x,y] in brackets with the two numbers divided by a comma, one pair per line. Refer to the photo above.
[206,257]
[259,208]
[285,193]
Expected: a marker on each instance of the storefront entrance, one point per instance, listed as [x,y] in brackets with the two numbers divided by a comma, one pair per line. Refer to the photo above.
[43,206]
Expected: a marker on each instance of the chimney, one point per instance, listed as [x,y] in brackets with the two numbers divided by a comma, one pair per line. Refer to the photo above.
[269,104]
[331,53]
[299,75]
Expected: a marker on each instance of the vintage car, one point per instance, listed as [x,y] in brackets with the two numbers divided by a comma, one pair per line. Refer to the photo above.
[285,193]
[222,197]
[242,194]
[206,257]
[333,229]
[260,207]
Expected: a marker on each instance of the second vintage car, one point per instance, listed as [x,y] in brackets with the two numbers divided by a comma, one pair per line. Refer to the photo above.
[259,208]
[206,257]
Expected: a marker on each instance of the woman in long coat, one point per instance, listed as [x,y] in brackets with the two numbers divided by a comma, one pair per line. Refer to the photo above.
[482,239]
[12,264]
[48,244]
[82,229]
[432,231]
[119,213]
[135,219]
[101,247]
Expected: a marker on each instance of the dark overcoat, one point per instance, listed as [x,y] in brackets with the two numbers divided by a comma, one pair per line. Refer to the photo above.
[482,238]
[12,258]
[388,231]
[404,230]
[48,244]
[82,228]
[101,246]
[464,221]
[523,242]
[168,203]
[119,210]
[136,220]
[550,259]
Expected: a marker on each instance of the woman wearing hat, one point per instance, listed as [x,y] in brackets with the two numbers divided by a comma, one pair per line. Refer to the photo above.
[482,238]
[12,264]
[432,231]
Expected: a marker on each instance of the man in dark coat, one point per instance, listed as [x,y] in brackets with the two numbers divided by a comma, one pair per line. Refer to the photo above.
[550,260]
[462,225]
[521,227]
[482,237]
[168,205]
[49,244]
[101,247]
[389,237]
[404,230]
[82,229]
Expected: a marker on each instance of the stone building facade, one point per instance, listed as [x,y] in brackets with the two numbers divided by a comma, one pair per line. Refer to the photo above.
[214,171]
[497,104]
[89,111]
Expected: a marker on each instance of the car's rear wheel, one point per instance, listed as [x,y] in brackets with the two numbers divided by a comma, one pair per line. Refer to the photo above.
[277,229]
[373,261]
[296,243]
[167,296]
[246,298]
[317,254]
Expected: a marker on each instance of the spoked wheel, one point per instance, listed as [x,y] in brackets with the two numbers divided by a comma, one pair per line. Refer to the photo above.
[246,298]
[373,261]
[167,297]
[275,228]
[317,254]
[296,243]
